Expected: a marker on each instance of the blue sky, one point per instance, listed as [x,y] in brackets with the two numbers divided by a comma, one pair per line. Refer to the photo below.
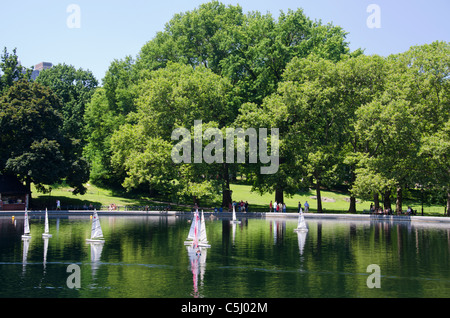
[113,29]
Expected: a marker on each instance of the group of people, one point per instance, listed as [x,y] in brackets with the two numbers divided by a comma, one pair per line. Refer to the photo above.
[277,207]
[387,211]
[281,207]
[239,206]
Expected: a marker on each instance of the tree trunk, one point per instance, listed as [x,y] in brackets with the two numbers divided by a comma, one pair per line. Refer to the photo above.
[226,192]
[387,199]
[319,198]
[352,208]
[279,197]
[448,203]
[398,205]
[376,201]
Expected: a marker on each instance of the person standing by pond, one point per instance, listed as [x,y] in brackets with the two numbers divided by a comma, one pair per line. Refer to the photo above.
[270,206]
[299,207]
[306,207]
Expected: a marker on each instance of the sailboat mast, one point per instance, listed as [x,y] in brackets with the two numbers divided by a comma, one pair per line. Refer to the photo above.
[46,230]
[26,228]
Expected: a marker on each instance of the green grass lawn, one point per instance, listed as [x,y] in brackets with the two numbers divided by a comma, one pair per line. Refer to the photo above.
[331,201]
[95,195]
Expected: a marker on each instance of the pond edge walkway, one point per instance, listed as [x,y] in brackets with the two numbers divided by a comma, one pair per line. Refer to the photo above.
[219,215]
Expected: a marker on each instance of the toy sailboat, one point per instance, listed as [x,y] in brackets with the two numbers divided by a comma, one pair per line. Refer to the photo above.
[46,229]
[197,232]
[96,230]
[234,221]
[302,226]
[26,228]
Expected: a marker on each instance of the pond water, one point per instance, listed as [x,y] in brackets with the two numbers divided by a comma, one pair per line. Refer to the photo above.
[259,258]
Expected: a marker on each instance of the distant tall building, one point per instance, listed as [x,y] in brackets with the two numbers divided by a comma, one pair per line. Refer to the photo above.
[43,66]
[40,67]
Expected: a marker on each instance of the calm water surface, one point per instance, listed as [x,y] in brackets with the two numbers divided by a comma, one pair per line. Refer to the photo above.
[264,258]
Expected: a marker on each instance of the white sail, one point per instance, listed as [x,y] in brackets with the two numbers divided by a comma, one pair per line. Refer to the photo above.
[203,241]
[46,229]
[302,226]
[26,227]
[234,217]
[197,233]
[96,230]
[196,230]
[192,229]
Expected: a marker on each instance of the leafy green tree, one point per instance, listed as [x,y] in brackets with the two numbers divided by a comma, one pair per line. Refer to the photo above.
[252,50]
[436,150]
[314,108]
[431,69]
[74,88]
[33,145]
[104,114]
[413,106]
[172,97]
[12,70]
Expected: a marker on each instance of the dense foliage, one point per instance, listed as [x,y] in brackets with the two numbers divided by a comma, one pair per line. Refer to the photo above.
[377,125]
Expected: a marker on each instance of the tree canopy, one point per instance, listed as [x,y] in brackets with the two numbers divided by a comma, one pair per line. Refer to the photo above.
[377,126]
[33,145]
